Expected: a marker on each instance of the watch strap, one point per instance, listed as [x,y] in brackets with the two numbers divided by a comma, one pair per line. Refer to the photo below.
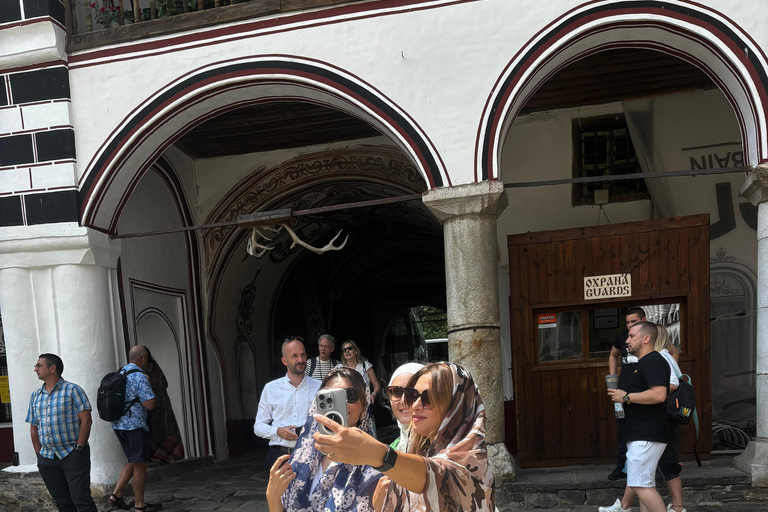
[389,460]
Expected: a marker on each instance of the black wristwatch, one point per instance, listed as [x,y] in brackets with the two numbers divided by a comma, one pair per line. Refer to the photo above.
[389,461]
[79,447]
[626,398]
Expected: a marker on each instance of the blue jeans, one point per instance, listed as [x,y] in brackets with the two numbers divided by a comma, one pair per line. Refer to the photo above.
[69,480]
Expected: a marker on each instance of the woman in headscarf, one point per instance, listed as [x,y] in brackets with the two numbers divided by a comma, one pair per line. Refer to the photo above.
[446,463]
[402,412]
[311,481]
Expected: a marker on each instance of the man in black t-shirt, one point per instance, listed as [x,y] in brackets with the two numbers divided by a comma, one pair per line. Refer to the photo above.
[645,427]
[619,353]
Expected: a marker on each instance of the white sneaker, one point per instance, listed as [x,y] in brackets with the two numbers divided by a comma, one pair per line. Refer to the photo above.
[616,507]
[669,509]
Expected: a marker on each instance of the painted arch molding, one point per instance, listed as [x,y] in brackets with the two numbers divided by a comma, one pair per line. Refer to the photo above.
[142,137]
[690,31]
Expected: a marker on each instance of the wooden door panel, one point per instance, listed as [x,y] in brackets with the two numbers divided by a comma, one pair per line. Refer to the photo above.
[562,411]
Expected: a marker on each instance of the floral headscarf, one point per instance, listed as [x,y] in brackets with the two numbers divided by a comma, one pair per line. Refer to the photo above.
[459,477]
[343,487]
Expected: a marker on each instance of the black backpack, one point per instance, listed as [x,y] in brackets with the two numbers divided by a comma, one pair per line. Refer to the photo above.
[110,400]
[682,403]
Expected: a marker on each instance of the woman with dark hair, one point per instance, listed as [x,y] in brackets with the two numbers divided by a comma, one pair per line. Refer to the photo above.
[310,480]
[445,466]
[165,442]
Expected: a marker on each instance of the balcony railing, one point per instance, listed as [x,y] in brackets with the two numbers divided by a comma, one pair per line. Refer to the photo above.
[93,23]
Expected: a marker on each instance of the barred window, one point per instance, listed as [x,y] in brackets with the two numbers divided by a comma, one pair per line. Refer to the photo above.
[602,147]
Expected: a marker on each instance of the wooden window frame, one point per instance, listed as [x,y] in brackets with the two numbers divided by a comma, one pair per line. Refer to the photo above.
[592,123]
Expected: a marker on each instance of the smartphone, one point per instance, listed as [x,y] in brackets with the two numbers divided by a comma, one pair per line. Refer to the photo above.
[332,403]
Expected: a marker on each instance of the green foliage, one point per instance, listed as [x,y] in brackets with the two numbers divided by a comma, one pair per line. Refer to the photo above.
[433,321]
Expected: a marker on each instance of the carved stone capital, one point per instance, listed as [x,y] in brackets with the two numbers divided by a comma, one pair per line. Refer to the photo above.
[755,187]
[484,198]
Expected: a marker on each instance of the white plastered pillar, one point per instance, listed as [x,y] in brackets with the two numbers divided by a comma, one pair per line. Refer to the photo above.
[754,460]
[58,294]
[468,214]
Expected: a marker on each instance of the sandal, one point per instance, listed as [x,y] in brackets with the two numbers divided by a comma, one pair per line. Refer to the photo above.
[149,507]
[117,502]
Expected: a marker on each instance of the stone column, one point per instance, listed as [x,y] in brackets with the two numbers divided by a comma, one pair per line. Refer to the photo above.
[58,294]
[468,214]
[754,460]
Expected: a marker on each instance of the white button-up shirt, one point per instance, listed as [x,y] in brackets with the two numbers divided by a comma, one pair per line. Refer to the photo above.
[282,405]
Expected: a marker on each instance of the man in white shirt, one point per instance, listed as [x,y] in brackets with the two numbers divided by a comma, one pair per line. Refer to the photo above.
[318,367]
[285,403]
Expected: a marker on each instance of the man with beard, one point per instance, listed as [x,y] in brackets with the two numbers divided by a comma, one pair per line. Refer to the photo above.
[285,402]
[646,427]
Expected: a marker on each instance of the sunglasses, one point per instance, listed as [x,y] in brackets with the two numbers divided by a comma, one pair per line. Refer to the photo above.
[347,349]
[395,392]
[291,338]
[410,395]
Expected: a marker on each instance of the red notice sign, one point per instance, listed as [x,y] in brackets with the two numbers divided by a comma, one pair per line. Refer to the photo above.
[547,320]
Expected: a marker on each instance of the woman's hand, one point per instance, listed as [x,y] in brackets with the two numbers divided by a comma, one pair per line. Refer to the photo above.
[349,445]
[280,476]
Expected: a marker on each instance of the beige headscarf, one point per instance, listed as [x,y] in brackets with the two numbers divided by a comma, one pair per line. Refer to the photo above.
[459,477]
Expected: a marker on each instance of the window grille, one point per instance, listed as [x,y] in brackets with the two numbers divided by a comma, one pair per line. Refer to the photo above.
[603,147]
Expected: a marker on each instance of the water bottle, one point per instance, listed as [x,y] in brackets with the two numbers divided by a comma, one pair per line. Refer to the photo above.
[619,410]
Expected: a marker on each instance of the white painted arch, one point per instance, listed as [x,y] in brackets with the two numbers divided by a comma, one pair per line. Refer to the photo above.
[142,137]
[690,31]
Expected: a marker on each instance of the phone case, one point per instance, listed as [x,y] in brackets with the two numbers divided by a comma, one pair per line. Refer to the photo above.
[333,404]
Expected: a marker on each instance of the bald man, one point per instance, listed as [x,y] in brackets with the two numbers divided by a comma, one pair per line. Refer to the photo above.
[133,433]
[285,402]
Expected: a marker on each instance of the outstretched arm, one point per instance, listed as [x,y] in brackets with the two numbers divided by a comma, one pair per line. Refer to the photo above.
[353,446]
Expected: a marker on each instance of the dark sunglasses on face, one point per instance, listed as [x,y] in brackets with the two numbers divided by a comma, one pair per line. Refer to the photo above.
[410,395]
[347,349]
[352,395]
[395,392]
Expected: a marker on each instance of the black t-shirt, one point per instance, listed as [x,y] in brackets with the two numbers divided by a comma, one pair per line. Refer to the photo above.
[628,361]
[647,422]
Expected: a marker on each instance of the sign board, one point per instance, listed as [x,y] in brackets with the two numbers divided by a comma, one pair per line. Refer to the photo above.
[547,320]
[608,286]
[5,390]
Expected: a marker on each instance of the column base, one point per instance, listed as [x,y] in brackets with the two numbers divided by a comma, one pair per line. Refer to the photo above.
[502,463]
[754,462]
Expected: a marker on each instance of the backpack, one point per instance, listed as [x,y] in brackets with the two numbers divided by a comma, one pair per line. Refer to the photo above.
[110,400]
[682,401]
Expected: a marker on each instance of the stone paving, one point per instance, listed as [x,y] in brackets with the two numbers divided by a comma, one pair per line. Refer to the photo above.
[240,484]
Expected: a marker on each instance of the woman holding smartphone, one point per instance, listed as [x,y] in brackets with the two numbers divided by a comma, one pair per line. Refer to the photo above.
[310,480]
[445,466]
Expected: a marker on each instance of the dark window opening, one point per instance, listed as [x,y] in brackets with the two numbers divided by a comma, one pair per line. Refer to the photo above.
[602,147]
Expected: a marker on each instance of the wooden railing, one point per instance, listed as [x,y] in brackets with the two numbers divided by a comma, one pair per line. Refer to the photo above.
[93,23]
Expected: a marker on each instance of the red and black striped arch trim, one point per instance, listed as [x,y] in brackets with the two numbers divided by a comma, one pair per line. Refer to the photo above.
[147,115]
[687,12]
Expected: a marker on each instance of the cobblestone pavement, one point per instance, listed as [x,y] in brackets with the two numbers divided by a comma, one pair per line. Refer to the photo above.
[240,485]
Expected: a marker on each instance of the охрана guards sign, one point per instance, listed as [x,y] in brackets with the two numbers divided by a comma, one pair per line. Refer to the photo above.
[608,286]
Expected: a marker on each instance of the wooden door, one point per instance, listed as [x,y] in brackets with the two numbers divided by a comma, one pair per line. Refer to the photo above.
[562,411]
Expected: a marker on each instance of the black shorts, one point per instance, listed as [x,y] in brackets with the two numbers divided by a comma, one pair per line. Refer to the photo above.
[670,470]
[135,444]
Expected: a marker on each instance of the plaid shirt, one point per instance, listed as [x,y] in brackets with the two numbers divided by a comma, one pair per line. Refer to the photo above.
[55,415]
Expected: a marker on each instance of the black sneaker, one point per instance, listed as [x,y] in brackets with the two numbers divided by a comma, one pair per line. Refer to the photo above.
[617,474]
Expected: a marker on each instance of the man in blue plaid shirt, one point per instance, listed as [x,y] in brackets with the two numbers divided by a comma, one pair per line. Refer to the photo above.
[59,420]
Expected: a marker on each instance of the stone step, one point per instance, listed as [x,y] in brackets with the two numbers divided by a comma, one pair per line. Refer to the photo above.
[715,485]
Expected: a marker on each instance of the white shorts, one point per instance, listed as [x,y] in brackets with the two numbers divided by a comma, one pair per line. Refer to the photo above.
[642,459]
